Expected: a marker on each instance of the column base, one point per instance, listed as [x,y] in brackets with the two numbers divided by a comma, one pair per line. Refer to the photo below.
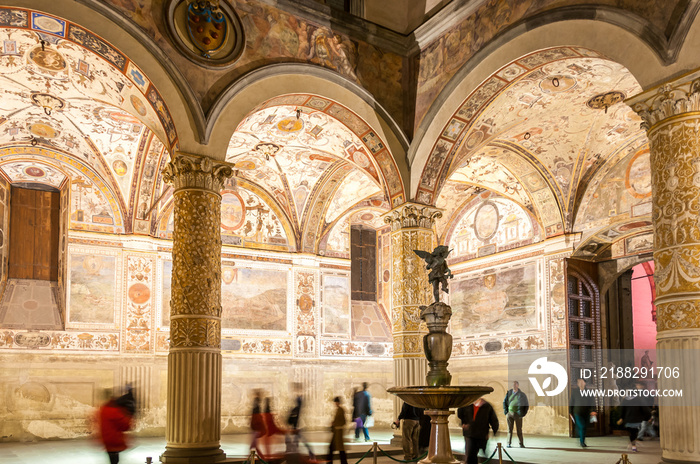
[192,455]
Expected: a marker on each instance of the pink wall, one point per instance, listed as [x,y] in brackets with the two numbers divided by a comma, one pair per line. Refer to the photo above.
[642,309]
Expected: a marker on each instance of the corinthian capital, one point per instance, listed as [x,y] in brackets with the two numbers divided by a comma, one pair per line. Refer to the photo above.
[673,98]
[193,171]
[412,215]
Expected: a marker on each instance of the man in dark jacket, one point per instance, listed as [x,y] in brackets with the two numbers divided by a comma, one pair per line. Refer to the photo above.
[361,408]
[581,408]
[476,419]
[410,430]
[635,410]
[515,406]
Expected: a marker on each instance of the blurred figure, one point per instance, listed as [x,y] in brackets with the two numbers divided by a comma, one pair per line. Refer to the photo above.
[361,407]
[476,419]
[295,434]
[581,409]
[424,433]
[271,428]
[635,412]
[338,428]
[410,430]
[114,420]
[257,422]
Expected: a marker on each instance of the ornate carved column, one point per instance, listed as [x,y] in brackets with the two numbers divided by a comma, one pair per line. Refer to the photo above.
[411,229]
[671,114]
[193,429]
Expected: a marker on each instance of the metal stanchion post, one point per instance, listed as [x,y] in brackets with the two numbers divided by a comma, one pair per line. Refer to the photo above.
[500,453]
[374,447]
[252,456]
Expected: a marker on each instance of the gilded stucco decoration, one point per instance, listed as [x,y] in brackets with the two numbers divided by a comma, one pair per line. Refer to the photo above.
[670,115]
[412,229]
[196,283]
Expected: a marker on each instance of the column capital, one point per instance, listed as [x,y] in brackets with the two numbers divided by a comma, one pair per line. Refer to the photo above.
[410,215]
[673,98]
[186,170]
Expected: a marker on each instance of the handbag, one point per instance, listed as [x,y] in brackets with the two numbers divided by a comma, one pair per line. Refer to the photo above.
[369,422]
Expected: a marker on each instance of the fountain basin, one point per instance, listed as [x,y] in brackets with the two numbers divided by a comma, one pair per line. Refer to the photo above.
[446,397]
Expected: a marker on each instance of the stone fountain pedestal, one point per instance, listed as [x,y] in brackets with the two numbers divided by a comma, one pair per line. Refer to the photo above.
[438,398]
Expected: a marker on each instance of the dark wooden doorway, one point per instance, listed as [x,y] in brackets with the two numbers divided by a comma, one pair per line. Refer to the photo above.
[34,233]
[584,327]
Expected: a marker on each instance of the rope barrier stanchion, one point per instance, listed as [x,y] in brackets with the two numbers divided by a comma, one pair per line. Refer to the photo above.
[624,459]
[364,456]
[374,451]
[490,457]
[509,457]
[500,453]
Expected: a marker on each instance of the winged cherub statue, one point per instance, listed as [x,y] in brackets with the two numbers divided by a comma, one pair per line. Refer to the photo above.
[439,272]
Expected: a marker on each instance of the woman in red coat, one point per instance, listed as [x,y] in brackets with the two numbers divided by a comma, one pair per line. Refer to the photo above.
[114,421]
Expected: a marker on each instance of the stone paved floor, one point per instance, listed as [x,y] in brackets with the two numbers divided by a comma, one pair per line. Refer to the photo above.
[540,450]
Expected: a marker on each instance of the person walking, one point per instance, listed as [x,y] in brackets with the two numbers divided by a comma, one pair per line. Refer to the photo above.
[114,420]
[295,435]
[635,411]
[515,406]
[476,419]
[581,408]
[410,430]
[257,422]
[361,407]
[338,428]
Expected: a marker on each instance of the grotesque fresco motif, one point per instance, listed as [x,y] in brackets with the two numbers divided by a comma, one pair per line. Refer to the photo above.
[336,304]
[489,225]
[499,300]
[515,146]
[92,288]
[439,61]
[71,96]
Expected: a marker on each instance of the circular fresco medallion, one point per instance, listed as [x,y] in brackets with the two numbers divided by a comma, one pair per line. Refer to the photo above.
[34,171]
[558,296]
[232,210]
[48,59]
[120,167]
[120,116]
[139,293]
[557,83]
[43,130]
[290,125]
[638,175]
[386,276]
[360,159]
[48,24]
[367,217]
[474,138]
[245,165]
[228,274]
[305,302]
[486,221]
[138,105]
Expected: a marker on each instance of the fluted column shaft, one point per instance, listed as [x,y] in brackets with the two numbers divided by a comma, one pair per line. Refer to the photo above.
[411,229]
[193,429]
[671,114]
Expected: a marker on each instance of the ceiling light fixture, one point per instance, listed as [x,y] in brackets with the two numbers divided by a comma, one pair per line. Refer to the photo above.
[48,102]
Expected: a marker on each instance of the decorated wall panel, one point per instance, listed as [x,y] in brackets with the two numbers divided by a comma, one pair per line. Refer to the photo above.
[498,300]
[335,303]
[94,297]
[4,230]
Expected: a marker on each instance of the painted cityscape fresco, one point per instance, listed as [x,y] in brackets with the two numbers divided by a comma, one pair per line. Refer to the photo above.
[500,300]
[92,282]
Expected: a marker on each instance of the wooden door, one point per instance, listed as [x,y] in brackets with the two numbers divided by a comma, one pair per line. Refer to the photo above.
[34,233]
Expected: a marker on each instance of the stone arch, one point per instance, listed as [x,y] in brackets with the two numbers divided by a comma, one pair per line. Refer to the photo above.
[617,37]
[261,85]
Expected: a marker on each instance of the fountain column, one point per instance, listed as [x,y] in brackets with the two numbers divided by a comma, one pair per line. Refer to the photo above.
[411,229]
[193,428]
[671,114]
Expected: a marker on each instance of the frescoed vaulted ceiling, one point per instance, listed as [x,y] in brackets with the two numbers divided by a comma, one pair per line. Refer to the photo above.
[74,105]
[550,133]
[317,161]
